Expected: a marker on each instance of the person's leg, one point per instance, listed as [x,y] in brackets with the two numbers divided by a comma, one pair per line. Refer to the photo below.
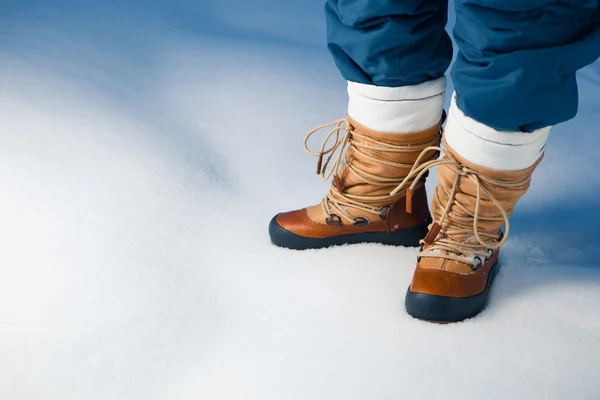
[394,55]
[517,59]
[389,43]
[514,79]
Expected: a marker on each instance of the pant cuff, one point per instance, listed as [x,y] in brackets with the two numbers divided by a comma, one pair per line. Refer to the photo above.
[402,109]
[490,148]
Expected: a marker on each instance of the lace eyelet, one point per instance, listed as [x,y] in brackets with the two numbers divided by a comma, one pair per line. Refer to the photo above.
[487,258]
[333,219]
[384,212]
[361,221]
[478,265]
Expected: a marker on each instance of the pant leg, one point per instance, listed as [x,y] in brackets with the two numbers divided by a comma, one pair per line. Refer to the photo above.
[389,42]
[517,59]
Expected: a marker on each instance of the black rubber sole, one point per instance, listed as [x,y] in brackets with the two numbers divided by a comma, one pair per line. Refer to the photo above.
[405,237]
[443,309]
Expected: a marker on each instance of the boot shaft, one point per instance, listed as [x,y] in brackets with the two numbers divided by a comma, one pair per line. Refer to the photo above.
[476,188]
[376,162]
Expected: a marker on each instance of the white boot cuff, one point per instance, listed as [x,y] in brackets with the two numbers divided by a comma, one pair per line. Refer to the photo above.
[397,109]
[487,147]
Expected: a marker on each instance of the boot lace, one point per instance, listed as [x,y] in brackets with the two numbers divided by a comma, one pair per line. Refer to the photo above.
[337,202]
[443,239]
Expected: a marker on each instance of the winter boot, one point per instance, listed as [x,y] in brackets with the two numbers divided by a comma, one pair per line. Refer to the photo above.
[359,206]
[459,255]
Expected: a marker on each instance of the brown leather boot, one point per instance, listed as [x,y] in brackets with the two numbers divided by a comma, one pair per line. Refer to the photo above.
[459,255]
[359,207]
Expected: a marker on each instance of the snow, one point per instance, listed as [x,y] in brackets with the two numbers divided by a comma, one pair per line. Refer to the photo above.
[142,154]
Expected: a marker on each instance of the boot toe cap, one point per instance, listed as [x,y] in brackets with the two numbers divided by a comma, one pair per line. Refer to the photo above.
[287,229]
[291,221]
[444,296]
[444,283]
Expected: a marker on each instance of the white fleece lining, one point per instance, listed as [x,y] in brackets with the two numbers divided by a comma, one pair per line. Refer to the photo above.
[487,147]
[397,109]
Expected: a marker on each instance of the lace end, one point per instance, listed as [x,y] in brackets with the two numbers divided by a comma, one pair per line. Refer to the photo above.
[338,183]
[319,164]
[409,203]
[434,231]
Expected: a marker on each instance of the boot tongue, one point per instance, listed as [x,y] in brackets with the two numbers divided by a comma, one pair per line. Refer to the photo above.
[455,220]
[375,164]
[378,162]
[474,202]
[350,182]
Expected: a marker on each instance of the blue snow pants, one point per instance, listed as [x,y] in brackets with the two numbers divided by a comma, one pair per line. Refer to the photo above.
[516,63]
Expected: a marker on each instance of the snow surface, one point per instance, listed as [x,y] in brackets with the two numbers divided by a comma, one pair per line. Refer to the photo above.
[144,148]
